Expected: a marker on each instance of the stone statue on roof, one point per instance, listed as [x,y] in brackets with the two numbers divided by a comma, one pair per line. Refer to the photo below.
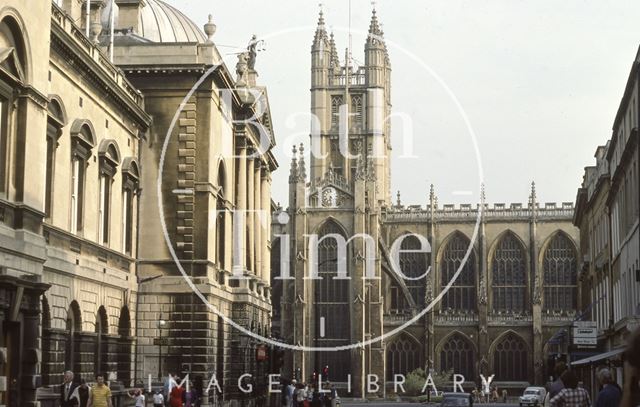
[252,49]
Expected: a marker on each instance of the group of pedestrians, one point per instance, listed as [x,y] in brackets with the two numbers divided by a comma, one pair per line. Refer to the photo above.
[310,395]
[79,394]
[567,391]
[493,396]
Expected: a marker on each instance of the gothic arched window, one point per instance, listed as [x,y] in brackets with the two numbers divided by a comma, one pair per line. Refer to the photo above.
[403,357]
[356,110]
[560,275]
[336,102]
[510,359]
[413,264]
[462,294]
[458,355]
[332,306]
[509,281]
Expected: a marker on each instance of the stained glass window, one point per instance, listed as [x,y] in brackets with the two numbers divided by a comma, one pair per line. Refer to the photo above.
[462,294]
[560,275]
[510,359]
[458,354]
[332,307]
[509,282]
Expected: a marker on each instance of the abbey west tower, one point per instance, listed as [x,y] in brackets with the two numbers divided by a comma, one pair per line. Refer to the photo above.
[349,183]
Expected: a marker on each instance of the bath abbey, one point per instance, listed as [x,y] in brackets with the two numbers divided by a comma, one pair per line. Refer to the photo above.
[517,286]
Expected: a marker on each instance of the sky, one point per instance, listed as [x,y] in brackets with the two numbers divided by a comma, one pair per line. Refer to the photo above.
[504,91]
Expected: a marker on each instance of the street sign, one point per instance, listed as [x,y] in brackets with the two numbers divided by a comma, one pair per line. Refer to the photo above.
[585,324]
[585,341]
[585,332]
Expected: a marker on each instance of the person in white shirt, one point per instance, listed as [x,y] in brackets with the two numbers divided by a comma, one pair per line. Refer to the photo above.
[158,399]
[138,397]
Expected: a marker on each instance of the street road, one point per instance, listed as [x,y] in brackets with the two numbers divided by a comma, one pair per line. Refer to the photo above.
[359,403]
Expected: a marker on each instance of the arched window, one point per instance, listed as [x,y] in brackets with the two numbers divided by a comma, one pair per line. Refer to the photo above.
[221,209]
[509,281]
[109,161]
[124,346]
[12,78]
[510,359]
[100,348]
[336,102]
[332,307]
[403,356]
[413,264]
[72,347]
[130,188]
[82,141]
[356,110]
[462,294]
[560,275]
[55,122]
[458,354]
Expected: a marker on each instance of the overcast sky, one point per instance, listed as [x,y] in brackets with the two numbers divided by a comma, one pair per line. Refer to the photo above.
[540,82]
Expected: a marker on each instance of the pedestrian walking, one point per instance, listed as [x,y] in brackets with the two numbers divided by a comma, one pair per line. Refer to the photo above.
[504,396]
[138,397]
[176,396]
[291,389]
[571,395]
[557,385]
[610,395]
[82,393]
[66,390]
[158,399]
[100,394]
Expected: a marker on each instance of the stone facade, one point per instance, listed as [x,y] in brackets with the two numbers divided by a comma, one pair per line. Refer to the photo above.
[515,293]
[70,145]
[215,140]
[607,213]
[85,271]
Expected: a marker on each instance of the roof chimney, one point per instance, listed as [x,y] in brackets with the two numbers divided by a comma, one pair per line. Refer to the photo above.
[129,14]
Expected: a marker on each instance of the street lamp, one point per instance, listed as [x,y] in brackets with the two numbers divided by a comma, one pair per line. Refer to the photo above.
[161,323]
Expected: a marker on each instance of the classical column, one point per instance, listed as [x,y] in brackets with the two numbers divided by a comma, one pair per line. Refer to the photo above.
[251,261]
[257,220]
[265,195]
[239,239]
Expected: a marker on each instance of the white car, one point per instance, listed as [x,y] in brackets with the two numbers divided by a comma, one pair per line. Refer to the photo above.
[533,396]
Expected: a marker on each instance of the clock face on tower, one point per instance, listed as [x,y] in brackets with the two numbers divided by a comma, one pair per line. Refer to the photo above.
[329,197]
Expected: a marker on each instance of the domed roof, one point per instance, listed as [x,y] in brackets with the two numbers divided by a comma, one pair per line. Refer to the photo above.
[160,22]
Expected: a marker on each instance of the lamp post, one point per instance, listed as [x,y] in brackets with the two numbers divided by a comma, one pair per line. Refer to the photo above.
[161,324]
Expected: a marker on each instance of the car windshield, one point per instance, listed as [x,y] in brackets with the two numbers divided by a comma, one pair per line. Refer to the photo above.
[535,392]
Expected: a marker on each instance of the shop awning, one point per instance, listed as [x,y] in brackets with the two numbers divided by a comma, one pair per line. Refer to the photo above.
[599,357]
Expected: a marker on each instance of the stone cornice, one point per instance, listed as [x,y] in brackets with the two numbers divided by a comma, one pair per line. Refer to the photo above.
[69,42]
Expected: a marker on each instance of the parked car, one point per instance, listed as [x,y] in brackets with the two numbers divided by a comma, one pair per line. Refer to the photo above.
[456,400]
[533,396]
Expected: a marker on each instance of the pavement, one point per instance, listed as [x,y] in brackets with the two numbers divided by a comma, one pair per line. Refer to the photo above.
[388,403]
